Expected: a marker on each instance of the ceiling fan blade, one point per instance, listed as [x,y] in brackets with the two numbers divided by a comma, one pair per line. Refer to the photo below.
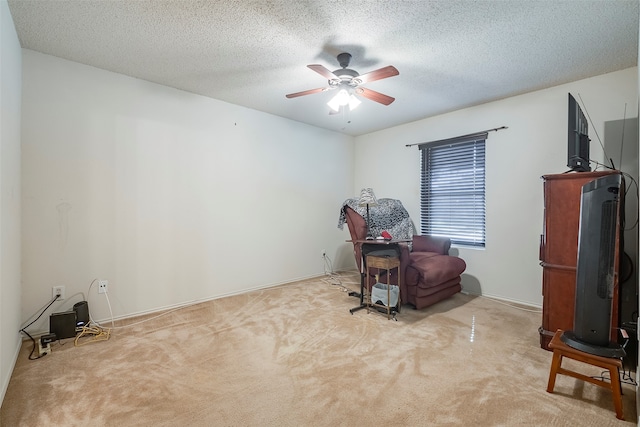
[306,92]
[323,71]
[375,96]
[382,73]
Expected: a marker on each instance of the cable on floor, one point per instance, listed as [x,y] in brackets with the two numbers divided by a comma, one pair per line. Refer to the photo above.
[24,331]
[333,278]
[113,326]
[93,334]
[625,377]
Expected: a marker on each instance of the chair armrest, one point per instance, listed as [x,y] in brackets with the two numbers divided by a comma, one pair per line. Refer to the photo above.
[425,243]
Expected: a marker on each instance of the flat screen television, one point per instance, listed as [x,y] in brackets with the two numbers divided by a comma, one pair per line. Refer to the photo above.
[578,138]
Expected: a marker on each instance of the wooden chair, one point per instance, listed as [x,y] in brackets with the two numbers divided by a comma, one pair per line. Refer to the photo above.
[560,350]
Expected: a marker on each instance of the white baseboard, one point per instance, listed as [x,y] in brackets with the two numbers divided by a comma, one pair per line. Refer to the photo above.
[505,300]
[105,322]
[7,378]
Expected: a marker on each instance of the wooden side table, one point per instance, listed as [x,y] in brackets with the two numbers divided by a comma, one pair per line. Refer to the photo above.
[388,264]
[360,244]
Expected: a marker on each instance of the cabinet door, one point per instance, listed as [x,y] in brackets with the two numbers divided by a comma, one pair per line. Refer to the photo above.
[559,296]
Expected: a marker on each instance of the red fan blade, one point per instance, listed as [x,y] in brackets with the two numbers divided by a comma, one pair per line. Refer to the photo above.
[382,73]
[323,71]
[375,96]
[306,92]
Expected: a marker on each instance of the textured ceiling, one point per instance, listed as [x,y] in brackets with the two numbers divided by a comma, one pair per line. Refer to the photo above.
[451,54]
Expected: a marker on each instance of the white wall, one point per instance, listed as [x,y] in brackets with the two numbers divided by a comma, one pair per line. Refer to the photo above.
[170,196]
[10,101]
[534,144]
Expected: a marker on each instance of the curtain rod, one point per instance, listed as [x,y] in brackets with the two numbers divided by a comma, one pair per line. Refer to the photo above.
[461,136]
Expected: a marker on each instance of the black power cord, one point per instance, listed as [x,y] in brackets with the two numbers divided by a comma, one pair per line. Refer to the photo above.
[23,330]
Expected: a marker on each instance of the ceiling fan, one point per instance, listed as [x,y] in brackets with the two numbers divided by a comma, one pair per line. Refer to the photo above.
[349,83]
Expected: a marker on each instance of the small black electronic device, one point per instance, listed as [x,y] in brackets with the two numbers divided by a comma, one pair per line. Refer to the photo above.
[63,324]
[82,313]
[47,339]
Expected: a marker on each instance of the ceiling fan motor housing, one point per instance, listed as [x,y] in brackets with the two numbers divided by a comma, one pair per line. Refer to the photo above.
[344,74]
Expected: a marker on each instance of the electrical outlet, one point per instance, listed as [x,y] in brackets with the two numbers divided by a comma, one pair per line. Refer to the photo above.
[102,286]
[57,291]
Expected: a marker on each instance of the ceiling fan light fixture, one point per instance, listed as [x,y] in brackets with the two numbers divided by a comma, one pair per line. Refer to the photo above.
[341,98]
[334,105]
[354,102]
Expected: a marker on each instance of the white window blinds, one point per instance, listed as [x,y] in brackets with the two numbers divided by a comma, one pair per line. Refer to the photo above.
[453,189]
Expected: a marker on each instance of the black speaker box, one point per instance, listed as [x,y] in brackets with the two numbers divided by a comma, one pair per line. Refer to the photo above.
[82,313]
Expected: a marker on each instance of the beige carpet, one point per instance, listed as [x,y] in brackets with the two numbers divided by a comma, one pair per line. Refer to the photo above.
[294,356]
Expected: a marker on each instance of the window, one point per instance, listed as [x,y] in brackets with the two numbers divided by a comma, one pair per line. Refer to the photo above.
[452,195]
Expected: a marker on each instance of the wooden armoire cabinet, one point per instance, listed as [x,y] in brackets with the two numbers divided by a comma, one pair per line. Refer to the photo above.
[559,252]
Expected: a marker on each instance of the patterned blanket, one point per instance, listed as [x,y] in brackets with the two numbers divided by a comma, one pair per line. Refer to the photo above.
[388,215]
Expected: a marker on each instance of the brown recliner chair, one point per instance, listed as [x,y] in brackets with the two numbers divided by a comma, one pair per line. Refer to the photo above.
[429,274]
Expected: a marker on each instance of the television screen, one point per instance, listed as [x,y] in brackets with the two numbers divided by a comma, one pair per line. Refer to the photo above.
[578,138]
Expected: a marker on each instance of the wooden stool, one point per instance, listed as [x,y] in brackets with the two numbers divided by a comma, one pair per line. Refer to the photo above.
[561,350]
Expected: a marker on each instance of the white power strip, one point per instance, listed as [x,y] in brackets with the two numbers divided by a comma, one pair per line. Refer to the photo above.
[43,350]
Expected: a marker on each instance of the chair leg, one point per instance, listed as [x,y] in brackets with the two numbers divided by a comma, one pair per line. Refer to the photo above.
[555,364]
[616,388]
